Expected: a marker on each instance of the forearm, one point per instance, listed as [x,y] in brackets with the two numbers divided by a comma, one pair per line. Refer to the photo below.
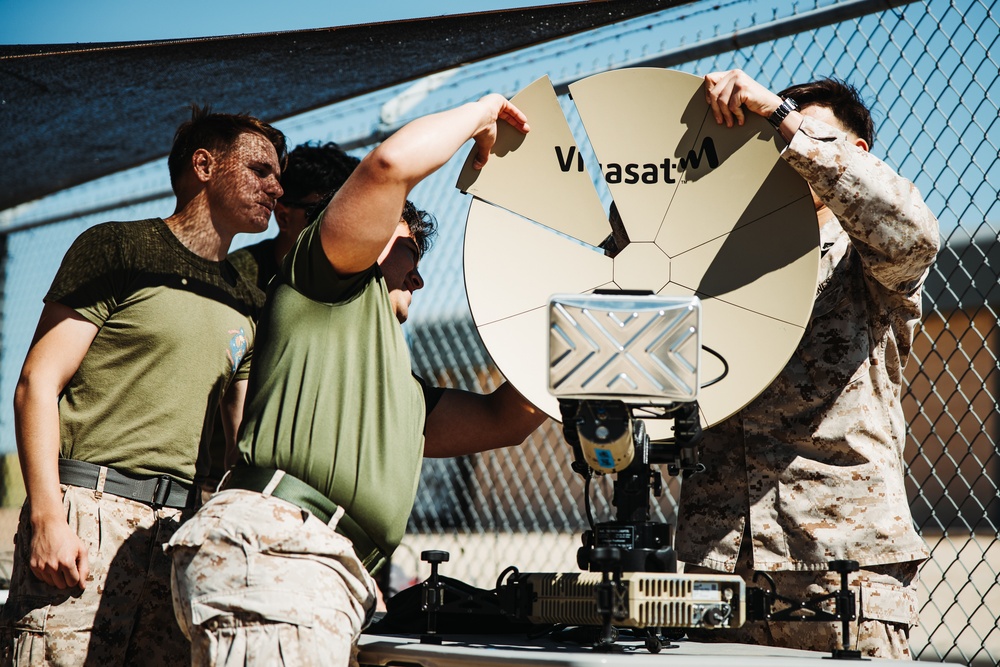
[367,209]
[424,145]
[58,556]
[36,426]
[385,177]
[231,409]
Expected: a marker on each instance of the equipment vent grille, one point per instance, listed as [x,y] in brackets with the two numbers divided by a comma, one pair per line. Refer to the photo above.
[653,614]
[582,612]
[669,588]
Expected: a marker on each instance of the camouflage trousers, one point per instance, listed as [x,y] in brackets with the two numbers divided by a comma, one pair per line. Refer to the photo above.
[123,616]
[885,600]
[258,581]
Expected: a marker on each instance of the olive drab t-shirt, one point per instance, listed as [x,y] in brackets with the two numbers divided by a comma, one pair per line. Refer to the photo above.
[174,332]
[331,398]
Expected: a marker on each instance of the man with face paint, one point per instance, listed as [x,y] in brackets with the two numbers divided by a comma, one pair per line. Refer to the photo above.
[313,173]
[278,564]
[145,335]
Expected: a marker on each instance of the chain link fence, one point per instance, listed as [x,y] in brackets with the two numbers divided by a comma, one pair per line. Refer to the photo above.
[930,70]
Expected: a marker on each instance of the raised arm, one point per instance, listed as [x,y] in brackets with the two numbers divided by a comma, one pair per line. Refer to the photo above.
[58,556]
[890,226]
[892,229]
[363,215]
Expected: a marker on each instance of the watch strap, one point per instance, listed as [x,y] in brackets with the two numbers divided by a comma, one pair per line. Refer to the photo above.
[787,106]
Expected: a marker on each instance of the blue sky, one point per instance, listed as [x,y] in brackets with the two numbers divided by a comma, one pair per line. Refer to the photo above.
[69,21]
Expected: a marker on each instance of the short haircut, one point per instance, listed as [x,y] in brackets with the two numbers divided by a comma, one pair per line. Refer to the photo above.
[216,132]
[423,227]
[842,99]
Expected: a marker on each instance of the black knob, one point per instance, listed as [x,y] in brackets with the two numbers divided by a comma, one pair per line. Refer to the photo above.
[714,616]
[435,556]
[844,566]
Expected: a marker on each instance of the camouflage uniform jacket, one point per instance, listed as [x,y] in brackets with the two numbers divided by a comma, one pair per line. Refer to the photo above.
[815,463]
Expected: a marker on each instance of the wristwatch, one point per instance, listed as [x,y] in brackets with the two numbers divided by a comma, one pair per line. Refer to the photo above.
[787,106]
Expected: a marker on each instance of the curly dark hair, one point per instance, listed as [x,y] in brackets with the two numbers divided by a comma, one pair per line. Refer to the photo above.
[842,99]
[314,167]
[217,132]
[423,226]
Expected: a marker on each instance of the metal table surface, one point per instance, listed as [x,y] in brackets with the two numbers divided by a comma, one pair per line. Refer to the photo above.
[465,650]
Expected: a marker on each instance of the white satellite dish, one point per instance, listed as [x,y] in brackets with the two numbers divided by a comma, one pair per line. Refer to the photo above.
[710,211]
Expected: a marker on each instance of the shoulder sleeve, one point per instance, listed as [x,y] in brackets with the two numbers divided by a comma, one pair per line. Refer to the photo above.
[890,226]
[243,371]
[431,395]
[93,275]
[308,271]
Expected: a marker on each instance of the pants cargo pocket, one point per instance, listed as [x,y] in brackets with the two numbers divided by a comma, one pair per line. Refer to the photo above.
[884,602]
[25,638]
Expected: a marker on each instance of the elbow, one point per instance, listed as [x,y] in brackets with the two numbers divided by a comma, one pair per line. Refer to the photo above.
[922,253]
[386,163]
[33,389]
[21,393]
[26,390]
[515,435]
[925,234]
[925,247]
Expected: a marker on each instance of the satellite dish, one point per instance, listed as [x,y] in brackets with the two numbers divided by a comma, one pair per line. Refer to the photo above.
[709,211]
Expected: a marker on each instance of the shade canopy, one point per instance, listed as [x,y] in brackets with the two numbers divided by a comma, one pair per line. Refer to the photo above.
[73,113]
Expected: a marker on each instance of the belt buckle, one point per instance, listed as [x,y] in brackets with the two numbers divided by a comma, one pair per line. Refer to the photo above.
[161,492]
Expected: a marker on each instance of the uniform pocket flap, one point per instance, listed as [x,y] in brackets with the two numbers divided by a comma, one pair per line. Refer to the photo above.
[271,604]
[884,602]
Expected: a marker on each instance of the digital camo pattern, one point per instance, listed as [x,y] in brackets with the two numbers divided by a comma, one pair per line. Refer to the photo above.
[886,603]
[815,463]
[123,616]
[258,581]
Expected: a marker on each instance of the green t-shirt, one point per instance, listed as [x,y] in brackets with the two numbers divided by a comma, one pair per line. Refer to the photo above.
[331,398]
[175,330]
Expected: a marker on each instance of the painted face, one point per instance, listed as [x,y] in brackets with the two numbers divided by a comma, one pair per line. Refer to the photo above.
[244,186]
[399,262]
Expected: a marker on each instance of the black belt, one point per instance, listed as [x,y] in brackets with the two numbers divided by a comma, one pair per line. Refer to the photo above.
[157,492]
[293,490]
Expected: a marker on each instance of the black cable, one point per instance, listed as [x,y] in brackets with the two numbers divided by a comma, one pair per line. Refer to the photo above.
[510,569]
[725,366]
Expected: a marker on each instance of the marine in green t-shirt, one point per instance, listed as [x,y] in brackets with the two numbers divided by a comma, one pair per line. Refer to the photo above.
[335,423]
[145,335]
[313,173]
[310,412]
